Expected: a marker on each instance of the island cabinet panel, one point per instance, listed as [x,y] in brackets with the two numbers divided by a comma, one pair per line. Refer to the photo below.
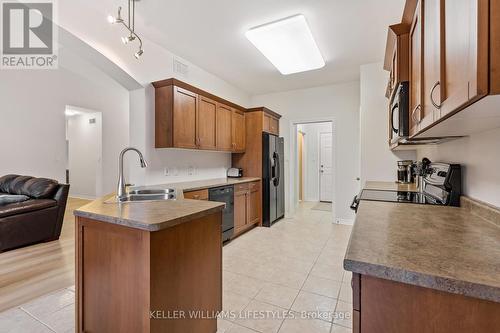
[136,281]
[206,122]
[394,307]
[224,129]
[184,118]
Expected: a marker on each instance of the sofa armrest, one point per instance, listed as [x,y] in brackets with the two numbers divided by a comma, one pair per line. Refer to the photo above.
[61,196]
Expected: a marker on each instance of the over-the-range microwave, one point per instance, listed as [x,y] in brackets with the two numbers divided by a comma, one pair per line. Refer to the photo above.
[400,113]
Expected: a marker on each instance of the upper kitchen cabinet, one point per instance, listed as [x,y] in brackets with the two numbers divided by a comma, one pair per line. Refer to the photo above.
[271,123]
[454,66]
[206,122]
[184,114]
[397,61]
[224,129]
[188,117]
[238,131]
[415,71]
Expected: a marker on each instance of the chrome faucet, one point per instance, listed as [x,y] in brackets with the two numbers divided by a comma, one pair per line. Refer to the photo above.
[121,192]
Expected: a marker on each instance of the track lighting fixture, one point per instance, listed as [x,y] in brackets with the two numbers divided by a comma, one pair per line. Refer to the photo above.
[130,26]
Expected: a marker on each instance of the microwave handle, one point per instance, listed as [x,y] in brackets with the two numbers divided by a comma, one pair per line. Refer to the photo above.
[396,106]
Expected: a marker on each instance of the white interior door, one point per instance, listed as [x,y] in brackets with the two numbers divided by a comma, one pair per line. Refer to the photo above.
[325,167]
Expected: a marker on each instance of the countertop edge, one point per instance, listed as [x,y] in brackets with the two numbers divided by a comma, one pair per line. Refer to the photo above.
[145,226]
[440,283]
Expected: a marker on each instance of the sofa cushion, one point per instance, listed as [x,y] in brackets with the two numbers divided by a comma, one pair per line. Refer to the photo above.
[5,182]
[11,198]
[26,206]
[16,184]
[39,188]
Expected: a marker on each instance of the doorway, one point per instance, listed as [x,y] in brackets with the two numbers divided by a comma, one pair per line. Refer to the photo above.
[83,152]
[314,175]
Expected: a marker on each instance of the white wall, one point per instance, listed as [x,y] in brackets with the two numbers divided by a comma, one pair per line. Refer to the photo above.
[335,102]
[378,162]
[32,120]
[312,158]
[85,154]
[479,155]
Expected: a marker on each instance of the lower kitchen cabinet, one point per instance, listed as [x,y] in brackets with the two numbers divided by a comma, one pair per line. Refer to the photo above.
[247,203]
[381,305]
[197,195]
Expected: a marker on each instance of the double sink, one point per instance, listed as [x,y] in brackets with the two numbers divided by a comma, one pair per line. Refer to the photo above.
[149,195]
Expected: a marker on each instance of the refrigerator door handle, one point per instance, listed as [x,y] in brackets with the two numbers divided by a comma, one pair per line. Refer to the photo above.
[276,157]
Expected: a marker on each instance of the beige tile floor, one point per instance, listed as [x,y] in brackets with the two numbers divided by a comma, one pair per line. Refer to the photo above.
[286,279]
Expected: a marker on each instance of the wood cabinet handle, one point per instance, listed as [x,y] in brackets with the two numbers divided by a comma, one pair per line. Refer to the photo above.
[437,106]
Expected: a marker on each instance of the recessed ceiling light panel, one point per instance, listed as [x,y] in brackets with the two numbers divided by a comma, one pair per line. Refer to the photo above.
[288,44]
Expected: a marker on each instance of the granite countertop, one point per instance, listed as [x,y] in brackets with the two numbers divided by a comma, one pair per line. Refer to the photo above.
[203,184]
[390,186]
[443,248]
[150,215]
[158,215]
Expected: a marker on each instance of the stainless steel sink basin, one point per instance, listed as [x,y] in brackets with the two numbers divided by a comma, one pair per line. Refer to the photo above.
[152,192]
[147,195]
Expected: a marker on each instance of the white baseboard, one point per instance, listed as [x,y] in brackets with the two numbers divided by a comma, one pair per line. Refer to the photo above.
[345,221]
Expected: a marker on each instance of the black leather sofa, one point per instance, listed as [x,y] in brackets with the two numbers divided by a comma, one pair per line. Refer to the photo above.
[37,219]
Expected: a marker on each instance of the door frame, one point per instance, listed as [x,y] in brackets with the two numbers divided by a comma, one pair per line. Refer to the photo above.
[293,174]
[319,166]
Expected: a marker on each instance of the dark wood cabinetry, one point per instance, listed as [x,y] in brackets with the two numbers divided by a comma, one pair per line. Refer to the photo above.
[416,70]
[453,63]
[224,129]
[247,202]
[206,122]
[184,118]
[188,117]
[238,131]
[381,305]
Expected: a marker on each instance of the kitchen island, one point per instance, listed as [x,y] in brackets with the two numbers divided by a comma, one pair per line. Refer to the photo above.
[148,266]
[421,268]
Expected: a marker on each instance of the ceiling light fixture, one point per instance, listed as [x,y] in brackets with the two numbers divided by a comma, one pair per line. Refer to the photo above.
[130,26]
[288,44]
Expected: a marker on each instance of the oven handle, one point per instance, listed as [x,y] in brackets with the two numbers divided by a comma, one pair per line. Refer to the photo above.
[396,106]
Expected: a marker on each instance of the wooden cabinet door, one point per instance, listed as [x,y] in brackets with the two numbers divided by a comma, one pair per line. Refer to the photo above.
[433,11]
[266,125]
[466,53]
[206,120]
[275,125]
[224,130]
[254,203]
[240,210]
[184,118]
[416,71]
[238,131]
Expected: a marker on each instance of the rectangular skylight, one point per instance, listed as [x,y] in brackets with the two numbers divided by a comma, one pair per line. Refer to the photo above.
[288,44]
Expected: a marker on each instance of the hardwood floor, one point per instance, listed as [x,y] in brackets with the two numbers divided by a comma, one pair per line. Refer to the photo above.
[32,271]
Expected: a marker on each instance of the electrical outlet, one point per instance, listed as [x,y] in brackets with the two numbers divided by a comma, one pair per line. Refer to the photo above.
[190,170]
[166,171]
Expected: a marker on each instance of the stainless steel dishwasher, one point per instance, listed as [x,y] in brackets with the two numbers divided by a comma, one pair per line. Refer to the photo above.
[225,194]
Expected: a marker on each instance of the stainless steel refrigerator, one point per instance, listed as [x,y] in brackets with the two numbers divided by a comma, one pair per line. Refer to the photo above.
[273,182]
